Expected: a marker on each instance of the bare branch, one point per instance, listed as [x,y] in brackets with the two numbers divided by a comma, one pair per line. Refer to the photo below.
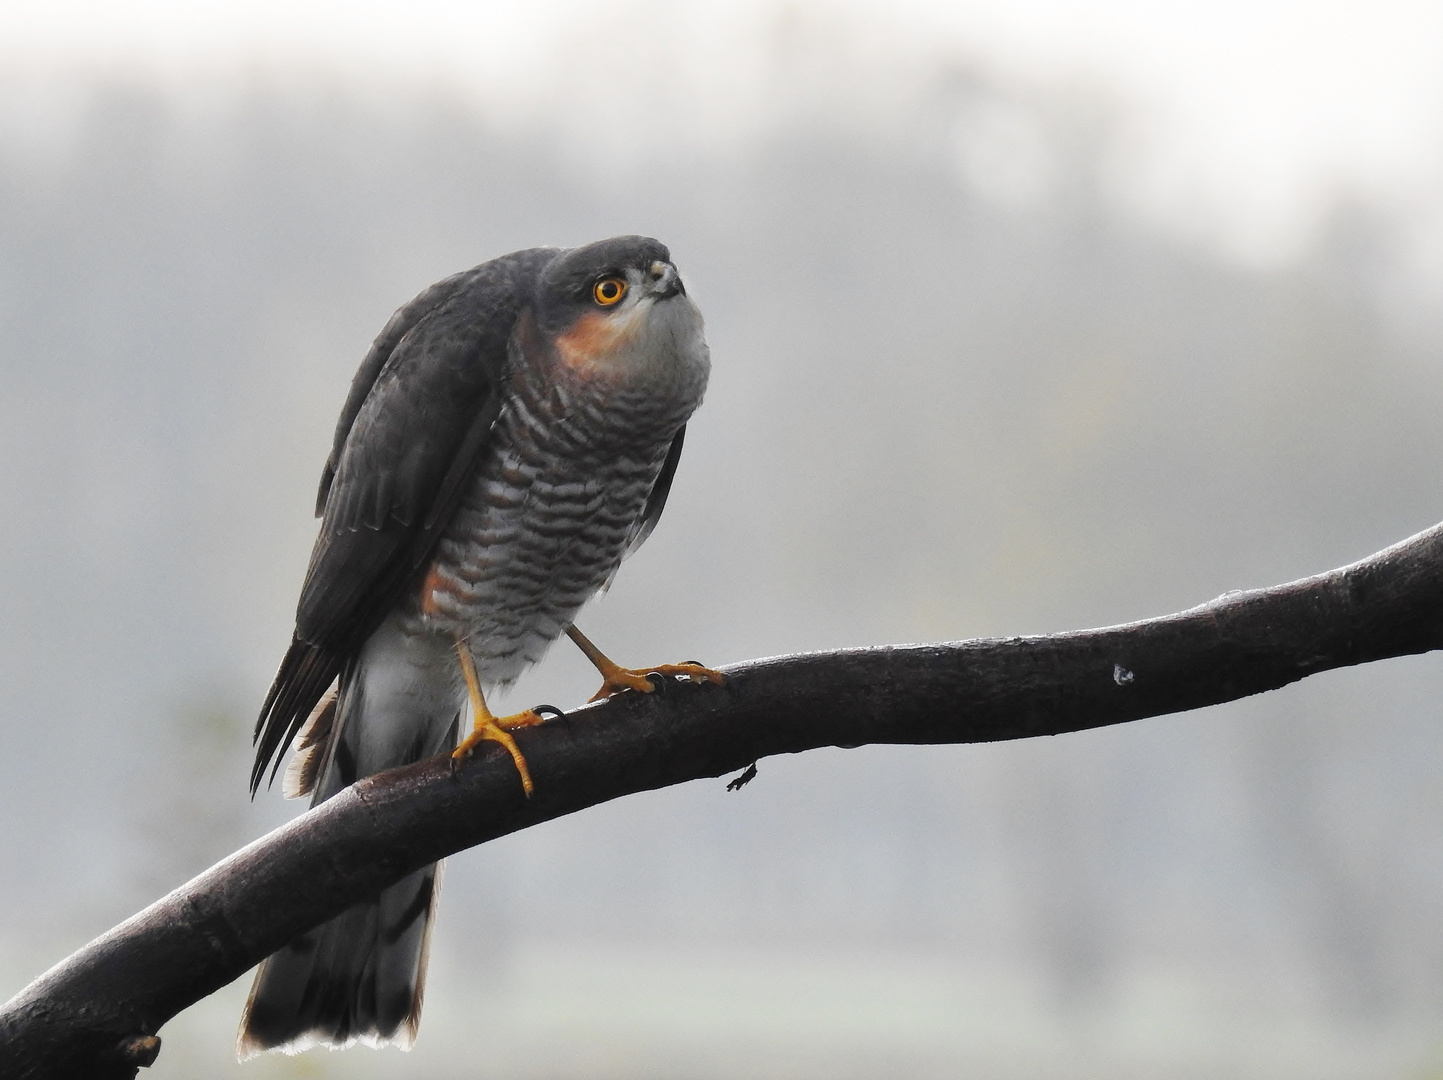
[93,1014]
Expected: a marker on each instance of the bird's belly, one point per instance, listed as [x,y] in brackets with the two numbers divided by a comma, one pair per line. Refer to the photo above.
[534,540]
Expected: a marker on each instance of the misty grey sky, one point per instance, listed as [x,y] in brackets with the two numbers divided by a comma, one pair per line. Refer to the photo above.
[1240,123]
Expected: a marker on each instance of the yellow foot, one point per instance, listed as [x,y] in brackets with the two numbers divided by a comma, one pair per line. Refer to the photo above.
[615,679]
[499,730]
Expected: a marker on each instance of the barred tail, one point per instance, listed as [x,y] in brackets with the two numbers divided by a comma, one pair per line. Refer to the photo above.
[359,978]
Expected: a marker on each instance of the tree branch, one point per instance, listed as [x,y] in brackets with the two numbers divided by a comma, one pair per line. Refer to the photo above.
[94,1014]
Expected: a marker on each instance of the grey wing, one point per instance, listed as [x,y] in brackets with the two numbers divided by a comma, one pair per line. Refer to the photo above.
[425,412]
[401,323]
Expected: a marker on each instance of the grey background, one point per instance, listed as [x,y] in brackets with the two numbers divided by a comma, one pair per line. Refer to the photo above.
[938,411]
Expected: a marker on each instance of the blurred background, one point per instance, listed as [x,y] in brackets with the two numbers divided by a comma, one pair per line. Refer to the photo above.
[1025,317]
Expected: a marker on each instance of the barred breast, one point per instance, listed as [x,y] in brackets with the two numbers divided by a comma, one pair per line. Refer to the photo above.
[553,505]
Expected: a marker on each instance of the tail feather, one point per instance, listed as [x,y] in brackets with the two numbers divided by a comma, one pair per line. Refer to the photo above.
[359,977]
[309,749]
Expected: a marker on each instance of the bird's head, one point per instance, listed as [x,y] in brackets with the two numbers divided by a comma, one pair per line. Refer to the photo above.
[618,309]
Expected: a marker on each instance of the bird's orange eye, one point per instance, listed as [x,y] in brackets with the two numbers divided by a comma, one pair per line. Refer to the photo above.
[608,291]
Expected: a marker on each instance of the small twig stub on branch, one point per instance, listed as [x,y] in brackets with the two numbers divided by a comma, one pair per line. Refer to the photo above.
[744,779]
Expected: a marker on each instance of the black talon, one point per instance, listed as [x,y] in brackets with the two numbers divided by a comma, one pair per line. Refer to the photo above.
[547,710]
[657,680]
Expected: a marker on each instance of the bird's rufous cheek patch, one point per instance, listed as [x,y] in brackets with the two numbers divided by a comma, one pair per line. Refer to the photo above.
[594,338]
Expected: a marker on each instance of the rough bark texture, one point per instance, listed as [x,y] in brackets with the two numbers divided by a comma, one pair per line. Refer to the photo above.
[94,1014]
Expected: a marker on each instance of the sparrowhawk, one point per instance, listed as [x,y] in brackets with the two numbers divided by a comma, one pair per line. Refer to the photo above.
[510,437]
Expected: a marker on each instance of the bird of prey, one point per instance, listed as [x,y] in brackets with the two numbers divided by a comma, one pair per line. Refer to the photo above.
[510,437]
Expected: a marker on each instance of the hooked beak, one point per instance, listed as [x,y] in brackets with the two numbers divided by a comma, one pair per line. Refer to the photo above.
[663,281]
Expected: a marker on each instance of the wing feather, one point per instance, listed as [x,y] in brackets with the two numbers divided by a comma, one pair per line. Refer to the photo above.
[418,416]
[656,501]
[385,344]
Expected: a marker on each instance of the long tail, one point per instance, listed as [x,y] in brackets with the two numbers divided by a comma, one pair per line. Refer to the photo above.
[361,976]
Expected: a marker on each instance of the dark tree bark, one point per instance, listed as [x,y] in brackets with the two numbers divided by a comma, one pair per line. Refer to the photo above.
[96,1013]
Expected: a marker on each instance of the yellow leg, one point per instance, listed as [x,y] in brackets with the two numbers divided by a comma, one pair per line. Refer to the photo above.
[487,727]
[615,678]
